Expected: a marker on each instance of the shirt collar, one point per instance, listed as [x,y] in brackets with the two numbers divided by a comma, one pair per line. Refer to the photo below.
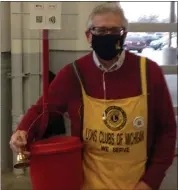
[115,65]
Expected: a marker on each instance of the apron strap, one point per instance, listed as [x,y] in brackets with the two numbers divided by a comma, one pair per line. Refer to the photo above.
[143,73]
[77,71]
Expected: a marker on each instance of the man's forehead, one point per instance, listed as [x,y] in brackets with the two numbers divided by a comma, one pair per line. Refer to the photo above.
[107,20]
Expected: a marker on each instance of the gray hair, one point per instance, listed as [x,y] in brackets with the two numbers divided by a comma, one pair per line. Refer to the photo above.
[107,8]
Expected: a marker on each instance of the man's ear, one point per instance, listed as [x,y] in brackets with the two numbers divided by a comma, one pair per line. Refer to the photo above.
[89,36]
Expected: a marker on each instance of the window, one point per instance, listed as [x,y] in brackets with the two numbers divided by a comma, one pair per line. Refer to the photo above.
[150,16]
[146,12]
[151,45]
[172,85]
[156,25]
[175,11]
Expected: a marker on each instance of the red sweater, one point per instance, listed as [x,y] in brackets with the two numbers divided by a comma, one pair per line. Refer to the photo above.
[65,93]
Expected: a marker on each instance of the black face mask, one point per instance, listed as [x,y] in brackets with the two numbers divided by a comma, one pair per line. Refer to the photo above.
[106,46]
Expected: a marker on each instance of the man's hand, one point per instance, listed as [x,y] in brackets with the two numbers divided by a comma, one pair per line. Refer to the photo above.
[18,141]
[142,186]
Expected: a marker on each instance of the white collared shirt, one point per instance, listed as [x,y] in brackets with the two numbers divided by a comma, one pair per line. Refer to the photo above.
[114,67]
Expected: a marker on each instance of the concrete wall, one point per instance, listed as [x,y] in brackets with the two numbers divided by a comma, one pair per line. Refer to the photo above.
[21,50]
[6,122]
[66,44]
[5,26]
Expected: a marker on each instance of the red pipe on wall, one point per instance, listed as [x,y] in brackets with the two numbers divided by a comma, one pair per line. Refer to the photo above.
[45,81]
[45,66]
[46,109]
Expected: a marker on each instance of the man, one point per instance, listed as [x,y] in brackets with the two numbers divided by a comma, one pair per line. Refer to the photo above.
[119,104]
[56,125]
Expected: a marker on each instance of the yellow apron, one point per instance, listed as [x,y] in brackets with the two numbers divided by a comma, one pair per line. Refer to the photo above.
[115,149]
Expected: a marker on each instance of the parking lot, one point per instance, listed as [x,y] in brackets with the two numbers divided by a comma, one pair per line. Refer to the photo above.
[157,56]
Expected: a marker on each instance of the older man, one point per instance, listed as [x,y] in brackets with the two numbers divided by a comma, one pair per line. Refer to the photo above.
[128,124]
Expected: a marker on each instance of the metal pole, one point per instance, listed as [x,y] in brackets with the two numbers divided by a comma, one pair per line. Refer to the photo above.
[172,20]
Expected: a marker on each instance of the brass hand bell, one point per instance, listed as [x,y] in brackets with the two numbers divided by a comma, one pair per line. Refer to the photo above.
[22,161]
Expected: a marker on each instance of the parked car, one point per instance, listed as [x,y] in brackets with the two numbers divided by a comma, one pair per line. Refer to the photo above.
[150,38]
[158,34]
[165,44]
[173,44]
[136,43]
[156,44]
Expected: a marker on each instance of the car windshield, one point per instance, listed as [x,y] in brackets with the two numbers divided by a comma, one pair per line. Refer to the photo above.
[134,38]
[161,40]
[165,38]
[151,37]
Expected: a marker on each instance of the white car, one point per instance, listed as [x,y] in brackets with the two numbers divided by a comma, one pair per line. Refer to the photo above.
[173,44]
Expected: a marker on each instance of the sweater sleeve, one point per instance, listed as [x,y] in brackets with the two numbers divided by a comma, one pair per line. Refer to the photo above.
[58,97]
[165,124]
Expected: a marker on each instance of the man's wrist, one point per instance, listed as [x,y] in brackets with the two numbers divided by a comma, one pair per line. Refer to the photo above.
[142,186]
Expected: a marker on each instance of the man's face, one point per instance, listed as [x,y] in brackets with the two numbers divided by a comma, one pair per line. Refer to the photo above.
[107,20]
